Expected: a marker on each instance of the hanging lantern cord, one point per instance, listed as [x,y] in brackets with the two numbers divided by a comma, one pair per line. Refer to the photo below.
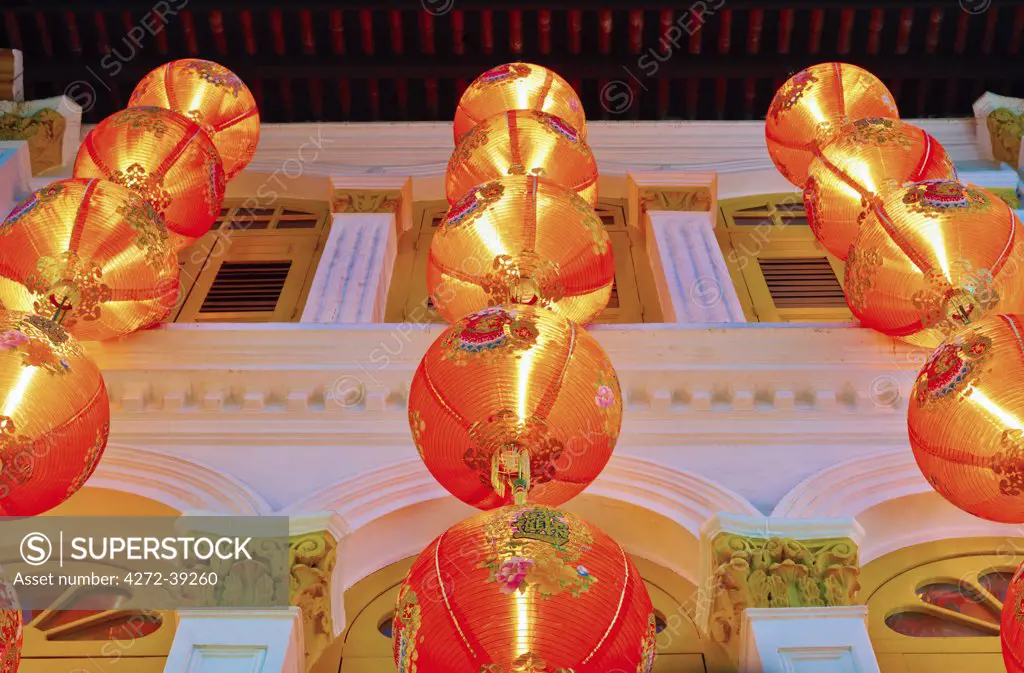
[61,308]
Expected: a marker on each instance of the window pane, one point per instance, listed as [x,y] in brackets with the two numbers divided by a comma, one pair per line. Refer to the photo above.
[960,599]
[921,625]
[997,583]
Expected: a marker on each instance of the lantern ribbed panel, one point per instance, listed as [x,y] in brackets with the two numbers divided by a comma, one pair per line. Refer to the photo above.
[523,586]
[54,415]
[966,419]
[933,257]
[163,157]
[1011,627]
[510,378]
[90,254]
[518,86]
[521,239]
[867,158]
[811,107]
[523,142]
[213,97]
[11,632]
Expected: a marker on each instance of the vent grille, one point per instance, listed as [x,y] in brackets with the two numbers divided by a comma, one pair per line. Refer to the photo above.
[246,287]
[802,282]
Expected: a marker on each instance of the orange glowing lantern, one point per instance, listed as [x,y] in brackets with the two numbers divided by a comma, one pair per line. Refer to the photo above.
[518,86]
[213,97]
[54,415]
[1011,627]
[523,142]
[811,107]
[966,419]
[10,628]
[163,157]
[933,257]
[867,158]
[91,255]
[524,588]
[511,400]
[521,240]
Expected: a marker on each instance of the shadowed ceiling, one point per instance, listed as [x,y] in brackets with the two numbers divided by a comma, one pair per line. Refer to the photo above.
[393,60]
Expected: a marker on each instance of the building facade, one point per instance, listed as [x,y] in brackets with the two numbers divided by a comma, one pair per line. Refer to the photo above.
[763,481]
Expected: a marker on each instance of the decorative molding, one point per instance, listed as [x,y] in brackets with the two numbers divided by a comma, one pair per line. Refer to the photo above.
[809,640]
[759,562]
[998,126]
[351,201]
[692,199]
[313,557]
[178,482]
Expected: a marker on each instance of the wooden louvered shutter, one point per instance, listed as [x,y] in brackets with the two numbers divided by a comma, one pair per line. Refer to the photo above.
[254,266]
[780,271]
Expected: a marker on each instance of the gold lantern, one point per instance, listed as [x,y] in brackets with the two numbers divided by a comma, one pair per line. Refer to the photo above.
[813,105]
[521,240]
[864,160]
[933,257]
[515,401]
[523,142]
[91,255]
[518,86]
[213,97]
[54,415]
[966,419]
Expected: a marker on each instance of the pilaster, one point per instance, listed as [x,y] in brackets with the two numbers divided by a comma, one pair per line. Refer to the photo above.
[226,641]
[352,279]
[772,563]
[314,571]
[809,640]
[677,213]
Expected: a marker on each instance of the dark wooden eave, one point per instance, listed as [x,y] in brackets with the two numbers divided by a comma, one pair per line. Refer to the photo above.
[391,60]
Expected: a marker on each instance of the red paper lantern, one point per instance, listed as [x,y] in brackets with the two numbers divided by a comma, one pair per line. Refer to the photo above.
[163,157]
[864,160]
[966,419]
[514,398]
[54,415]
[811,107]
[523,142]
[91,255]
[10,628]
[1011,627]
[524,588]
[523,240]
[518,86]
[933,257]
[213,97]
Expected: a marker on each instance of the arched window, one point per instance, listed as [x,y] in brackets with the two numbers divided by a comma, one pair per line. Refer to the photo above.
[936,606]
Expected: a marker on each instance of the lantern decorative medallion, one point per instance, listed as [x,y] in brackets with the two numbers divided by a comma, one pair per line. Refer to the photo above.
[809,109]
[515,399]
[521,240]
[211,96]
[931,258]
[54,415]
[523,142]
[11,626]
[163,157]
[518,86]
[523,588]
[1011,626]
[965,422]
[865,159]
[91,255]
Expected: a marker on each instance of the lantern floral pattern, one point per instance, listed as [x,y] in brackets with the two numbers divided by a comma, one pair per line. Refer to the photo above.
[11,628]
